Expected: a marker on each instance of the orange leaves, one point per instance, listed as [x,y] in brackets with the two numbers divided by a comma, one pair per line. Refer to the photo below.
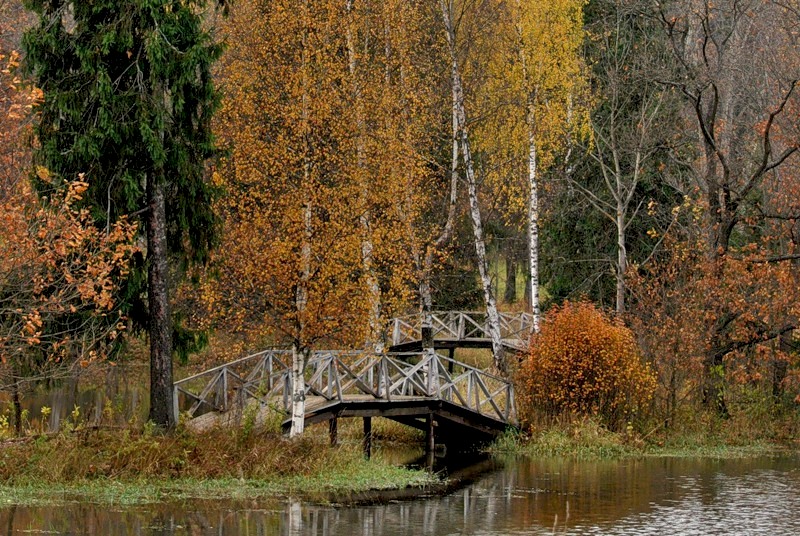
[56,267]
[323,151]
[583,362]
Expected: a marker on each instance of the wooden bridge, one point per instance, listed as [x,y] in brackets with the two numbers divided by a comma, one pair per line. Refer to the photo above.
[426,390]
[446,398]
[460,329]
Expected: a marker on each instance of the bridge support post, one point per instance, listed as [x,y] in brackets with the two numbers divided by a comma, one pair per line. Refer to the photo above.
[430,441]
[367,437]
[333,431]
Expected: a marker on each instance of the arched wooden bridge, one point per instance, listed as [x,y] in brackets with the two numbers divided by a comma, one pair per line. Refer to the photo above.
[346,384]
[426,390]
[460,329]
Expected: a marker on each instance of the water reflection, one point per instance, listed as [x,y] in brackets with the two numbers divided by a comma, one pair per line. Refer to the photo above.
[642,497]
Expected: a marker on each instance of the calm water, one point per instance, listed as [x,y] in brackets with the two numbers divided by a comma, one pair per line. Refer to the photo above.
[653,496]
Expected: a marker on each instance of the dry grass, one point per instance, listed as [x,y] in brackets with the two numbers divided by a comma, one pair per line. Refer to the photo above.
[130,454]
[480,358]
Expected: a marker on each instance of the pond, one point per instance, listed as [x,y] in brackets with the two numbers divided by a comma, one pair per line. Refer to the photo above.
[659,496]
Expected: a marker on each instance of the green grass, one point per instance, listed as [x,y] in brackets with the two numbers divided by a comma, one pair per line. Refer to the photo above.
[586,439]
[341,482]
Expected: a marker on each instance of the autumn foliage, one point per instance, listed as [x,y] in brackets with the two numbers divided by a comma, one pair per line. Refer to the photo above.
[58,277]
[583,363]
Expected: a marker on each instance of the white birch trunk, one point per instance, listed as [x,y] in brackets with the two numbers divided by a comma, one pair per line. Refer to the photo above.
[533,180]
[298,391]
[492,316]
[533,224]
[299,348]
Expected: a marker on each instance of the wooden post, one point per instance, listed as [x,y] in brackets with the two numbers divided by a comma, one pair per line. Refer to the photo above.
[367,437]
[451,353]
[175,408]
[430,442]
[225,389]
[333,431]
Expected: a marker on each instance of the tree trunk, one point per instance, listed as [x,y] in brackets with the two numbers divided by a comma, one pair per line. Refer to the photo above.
[533,223]
[299,360]
[492,316]
[533,187]
[622,261]
[780,365]
[714,367]
[300,350]
[375,333]
[714,386]
[15,400]
[161,390]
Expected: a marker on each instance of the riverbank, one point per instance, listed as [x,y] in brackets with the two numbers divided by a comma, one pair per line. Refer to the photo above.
[131,465]
[586,439]
[128,466]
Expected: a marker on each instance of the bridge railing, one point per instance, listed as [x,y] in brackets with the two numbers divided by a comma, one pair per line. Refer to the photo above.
[266,377]
[393,376]
[515,328]
[263,376]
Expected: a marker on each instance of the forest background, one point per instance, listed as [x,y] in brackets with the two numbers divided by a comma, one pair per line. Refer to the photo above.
[380,158]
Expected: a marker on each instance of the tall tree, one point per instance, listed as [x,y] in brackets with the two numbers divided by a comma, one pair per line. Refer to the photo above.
[549,37]
[323,137]
[630,134]
[128,101]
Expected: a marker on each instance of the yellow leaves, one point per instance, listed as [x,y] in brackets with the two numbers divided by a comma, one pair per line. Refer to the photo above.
[308,128]
[55,263]
[44,174]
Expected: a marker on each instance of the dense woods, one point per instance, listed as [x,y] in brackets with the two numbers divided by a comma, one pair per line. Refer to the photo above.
[367,159]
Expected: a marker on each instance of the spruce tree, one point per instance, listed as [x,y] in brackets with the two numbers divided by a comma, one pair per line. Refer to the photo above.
[128,100]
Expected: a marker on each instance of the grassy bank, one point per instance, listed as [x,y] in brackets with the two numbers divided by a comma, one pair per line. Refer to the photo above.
[127,466]
[586,439]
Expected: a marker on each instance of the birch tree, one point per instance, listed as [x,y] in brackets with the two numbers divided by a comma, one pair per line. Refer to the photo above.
[459,112]
[314,249]
[630,134]
[552,81]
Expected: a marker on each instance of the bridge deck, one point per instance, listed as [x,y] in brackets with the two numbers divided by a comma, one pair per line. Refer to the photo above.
[513,345]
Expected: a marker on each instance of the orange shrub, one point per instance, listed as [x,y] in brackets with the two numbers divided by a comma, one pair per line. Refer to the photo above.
[583,362]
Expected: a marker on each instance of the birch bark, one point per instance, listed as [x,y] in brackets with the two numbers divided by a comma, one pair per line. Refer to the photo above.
[299,345]
[459,110]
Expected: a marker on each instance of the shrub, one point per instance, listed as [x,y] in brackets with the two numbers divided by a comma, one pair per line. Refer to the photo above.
[583,363]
